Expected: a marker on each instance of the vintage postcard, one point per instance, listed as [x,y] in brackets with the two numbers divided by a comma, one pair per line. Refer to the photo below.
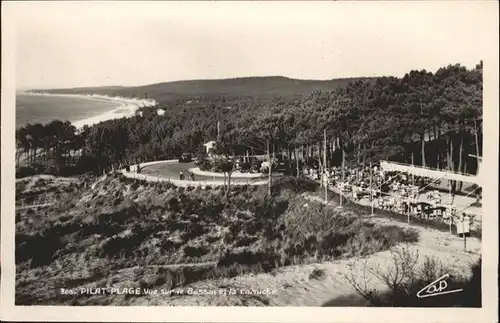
[249,161]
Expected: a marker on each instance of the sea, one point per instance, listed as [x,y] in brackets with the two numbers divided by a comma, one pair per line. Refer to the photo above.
[43,109]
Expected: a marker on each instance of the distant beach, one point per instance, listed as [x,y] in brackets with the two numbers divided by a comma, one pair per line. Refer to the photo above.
[79,109]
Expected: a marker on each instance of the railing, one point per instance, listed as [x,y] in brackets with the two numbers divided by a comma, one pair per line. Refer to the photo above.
[132,173]
[429,172]
[197,171]
[426,168]
[187,183]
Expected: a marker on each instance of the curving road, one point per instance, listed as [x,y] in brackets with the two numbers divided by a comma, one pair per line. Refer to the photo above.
[169,171]
[172,170]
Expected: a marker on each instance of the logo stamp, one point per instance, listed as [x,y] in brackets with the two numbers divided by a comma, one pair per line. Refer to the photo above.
[437,287]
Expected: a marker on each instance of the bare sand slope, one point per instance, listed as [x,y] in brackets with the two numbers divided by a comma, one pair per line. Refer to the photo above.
[295,287]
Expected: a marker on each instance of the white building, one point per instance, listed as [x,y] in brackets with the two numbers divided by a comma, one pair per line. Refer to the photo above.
[209,146]
[160,112]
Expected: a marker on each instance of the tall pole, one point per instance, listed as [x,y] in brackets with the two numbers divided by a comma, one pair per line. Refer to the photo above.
[463,233]
[408,209]
[423,138]
[476,135]
[343,176]
[297,160]
[451,196]
[371,191]
[412,175]
[451,219]
[218,130]
[321,167]
[324,168]
[269,160]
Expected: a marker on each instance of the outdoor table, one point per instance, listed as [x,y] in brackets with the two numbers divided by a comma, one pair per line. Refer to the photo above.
[422,207]
[438,211]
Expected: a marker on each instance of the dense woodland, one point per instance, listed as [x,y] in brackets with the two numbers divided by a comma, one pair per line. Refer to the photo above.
[430,119]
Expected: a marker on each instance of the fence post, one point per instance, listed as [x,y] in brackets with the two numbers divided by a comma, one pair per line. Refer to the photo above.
[409,211]
[463,232]
[371,191]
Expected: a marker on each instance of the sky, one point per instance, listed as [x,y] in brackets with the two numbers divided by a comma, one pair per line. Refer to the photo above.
[72,44]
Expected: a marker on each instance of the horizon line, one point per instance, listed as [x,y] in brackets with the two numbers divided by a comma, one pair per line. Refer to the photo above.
[25,88]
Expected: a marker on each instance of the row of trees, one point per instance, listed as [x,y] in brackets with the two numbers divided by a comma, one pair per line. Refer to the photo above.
[423,118]
[430,119]
[47,146]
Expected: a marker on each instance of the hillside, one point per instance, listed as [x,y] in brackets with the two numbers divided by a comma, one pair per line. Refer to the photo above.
[122,234]
[247,86]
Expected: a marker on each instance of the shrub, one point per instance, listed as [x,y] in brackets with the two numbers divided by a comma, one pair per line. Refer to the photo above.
[404,279]
[135,185]
[235,227]
[169,245]
[194,230]
[331,243]
[205,165]
[317,274]
[245,241]
[212,239]
[267,259]
[25,172]
[116,246]
[431,269]
[173,204]
[167,185]
[40,249]
[195,251]
[296,185]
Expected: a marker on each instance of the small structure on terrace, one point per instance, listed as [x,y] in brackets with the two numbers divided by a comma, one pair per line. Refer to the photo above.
[209,146]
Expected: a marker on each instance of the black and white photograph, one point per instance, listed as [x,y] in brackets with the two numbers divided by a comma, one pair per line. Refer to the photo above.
[251,154]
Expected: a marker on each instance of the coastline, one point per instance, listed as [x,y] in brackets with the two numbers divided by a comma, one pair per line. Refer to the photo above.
[125,107]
